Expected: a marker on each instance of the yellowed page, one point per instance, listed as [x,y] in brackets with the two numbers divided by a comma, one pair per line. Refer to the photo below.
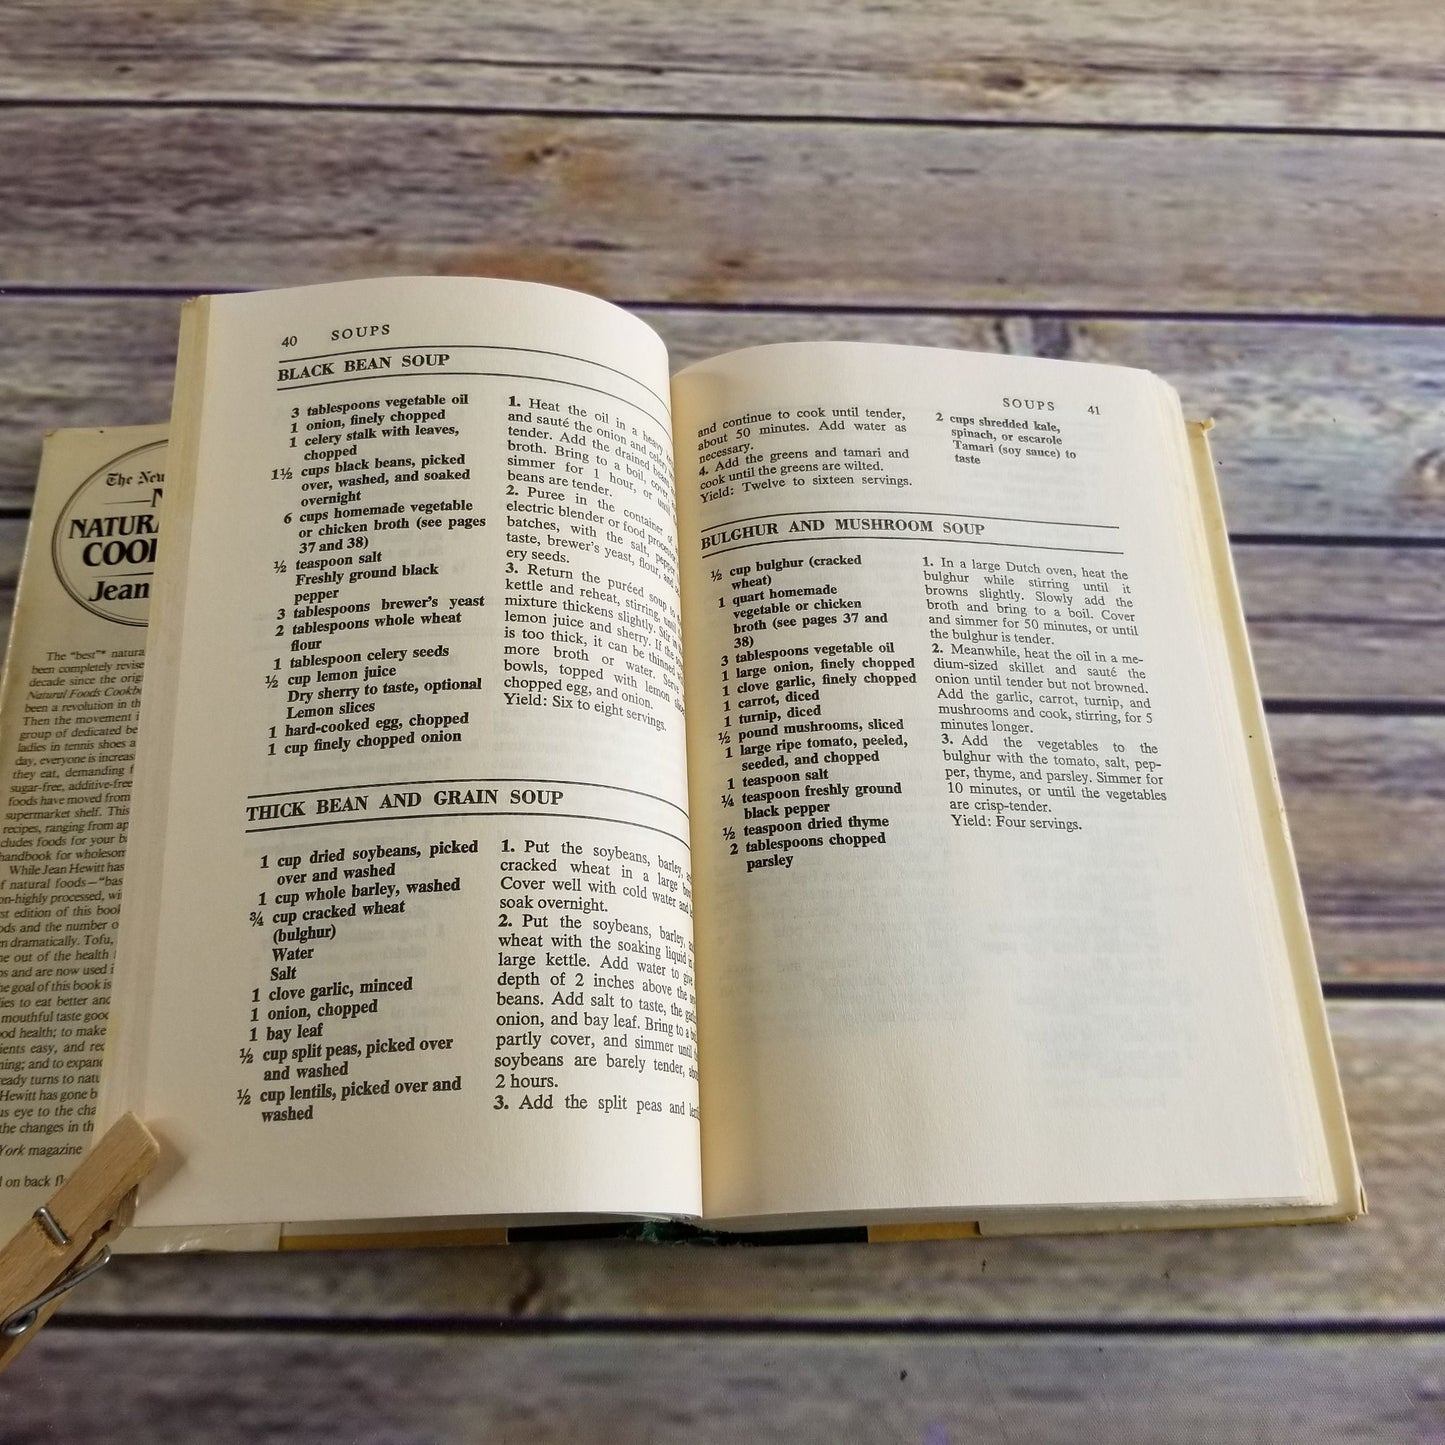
[411,913]
[985,911]
[67,737]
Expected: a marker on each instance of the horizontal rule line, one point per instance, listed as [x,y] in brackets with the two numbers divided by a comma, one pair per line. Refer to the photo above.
[930,540]
[907,512]
[472,813]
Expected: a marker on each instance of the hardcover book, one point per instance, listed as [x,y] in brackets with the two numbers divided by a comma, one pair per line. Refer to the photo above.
[827,786]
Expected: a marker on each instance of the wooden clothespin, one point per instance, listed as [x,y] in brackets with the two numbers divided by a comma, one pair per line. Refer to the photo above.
[62,1243]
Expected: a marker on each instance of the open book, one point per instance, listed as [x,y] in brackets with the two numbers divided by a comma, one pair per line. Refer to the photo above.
[960,891]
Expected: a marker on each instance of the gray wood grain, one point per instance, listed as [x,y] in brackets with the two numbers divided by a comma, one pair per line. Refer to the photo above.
[1363,796]
[1385,1267]
[1232,63]
[172,1386]
[1322,429]
[688,210]
[750,174]
[1345,623]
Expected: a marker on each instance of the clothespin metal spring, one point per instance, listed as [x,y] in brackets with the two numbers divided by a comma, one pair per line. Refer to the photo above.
[47,1258]
[25,1317]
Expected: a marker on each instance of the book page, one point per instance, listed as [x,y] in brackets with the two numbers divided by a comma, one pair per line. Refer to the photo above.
[984,916]
[411,925]
[67,738]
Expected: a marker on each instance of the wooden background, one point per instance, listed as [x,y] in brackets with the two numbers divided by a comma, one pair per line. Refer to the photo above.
[1247,198]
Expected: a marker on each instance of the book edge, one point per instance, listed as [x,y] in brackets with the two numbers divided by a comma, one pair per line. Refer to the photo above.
[1304,970]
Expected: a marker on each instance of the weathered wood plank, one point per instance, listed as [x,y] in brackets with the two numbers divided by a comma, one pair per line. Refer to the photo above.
[1233,63]
[1385,1267]
[1366,805]
[698,210]
[1321,429]
[1345,623]
[171,1385]
[1322,432]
